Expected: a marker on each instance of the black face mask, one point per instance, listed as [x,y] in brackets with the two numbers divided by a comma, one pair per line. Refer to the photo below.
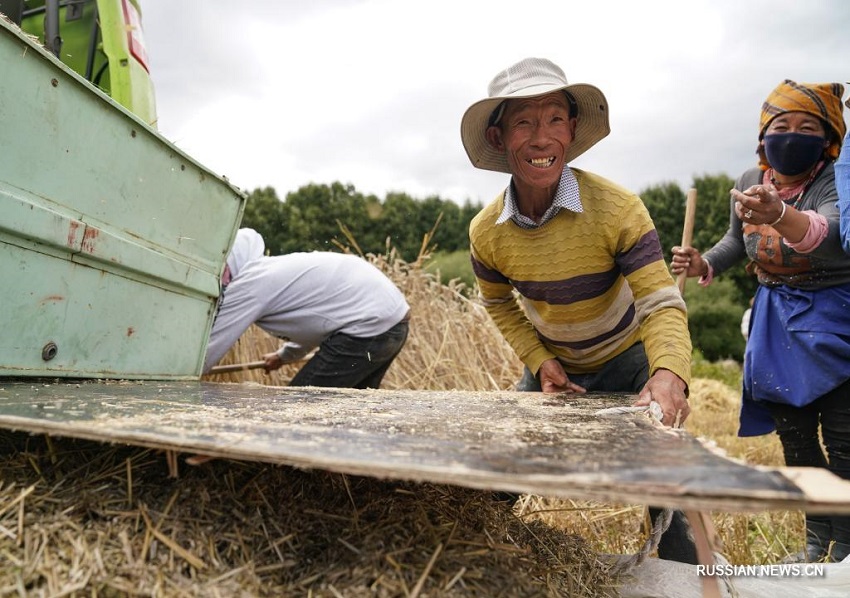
[792,153]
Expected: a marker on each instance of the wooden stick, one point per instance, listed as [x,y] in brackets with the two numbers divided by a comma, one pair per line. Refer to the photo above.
[688,231]
[251,365]
[705,538]
[237,367]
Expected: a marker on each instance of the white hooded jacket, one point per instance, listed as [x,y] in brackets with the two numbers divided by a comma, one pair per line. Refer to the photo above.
[303,298]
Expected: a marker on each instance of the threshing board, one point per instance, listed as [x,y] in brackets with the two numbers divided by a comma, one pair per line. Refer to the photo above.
[550,445]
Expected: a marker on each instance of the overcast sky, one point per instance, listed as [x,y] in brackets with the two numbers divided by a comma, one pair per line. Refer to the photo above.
[371,92]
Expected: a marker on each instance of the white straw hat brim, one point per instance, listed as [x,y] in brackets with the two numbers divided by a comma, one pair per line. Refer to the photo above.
[591,127]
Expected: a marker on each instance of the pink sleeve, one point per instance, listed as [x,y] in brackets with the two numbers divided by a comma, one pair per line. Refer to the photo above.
[818,229]
[704,281]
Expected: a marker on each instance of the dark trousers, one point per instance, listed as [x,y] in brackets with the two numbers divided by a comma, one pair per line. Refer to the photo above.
[797,428]
[629,372]
[345,361]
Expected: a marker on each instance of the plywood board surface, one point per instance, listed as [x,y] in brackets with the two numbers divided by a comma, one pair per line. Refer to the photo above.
[551,445]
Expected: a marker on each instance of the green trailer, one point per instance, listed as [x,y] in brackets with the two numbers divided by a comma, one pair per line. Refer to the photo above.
[112,240]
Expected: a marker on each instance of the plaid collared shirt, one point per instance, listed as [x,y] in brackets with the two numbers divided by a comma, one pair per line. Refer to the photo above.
[566,198]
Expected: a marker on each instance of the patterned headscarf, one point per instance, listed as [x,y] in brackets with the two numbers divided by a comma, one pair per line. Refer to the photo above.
[822,100]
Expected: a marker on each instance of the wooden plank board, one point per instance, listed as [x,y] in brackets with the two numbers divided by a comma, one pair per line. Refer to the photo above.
[551,445]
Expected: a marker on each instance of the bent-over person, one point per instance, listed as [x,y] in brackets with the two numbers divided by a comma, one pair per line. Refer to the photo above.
[340,303]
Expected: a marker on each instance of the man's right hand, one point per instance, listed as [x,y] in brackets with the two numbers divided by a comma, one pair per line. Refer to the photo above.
[273,361]
[553,378]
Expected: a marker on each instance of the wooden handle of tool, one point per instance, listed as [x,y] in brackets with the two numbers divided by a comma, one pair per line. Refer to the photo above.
[688,231]
[237,367]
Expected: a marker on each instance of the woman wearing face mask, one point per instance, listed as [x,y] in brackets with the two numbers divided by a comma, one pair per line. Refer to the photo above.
[784,220]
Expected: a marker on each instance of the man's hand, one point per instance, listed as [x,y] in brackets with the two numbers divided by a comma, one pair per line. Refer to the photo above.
[553,378]
[273,361]
[668,390]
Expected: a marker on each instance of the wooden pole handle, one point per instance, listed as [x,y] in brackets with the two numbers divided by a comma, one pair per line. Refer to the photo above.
[688,231]
[251,365]
[237,367]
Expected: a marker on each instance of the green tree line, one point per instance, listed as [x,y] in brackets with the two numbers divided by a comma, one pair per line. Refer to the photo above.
[312,217]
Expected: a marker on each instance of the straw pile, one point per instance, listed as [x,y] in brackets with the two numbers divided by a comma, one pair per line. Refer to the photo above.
[80,518]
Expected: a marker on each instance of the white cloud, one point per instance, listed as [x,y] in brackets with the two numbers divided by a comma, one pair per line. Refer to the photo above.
[371,92]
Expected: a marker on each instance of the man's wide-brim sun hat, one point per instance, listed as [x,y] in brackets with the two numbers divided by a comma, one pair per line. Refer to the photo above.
[530,78]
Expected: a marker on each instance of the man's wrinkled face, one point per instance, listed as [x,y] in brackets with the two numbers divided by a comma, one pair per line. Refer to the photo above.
[535,134]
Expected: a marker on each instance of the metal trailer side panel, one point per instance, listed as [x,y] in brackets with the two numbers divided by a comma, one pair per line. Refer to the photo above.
[112,240]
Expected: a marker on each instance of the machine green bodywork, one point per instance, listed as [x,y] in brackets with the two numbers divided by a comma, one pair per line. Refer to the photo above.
[112,240]
[102,41]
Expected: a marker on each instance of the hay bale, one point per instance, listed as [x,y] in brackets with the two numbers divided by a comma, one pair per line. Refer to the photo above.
[714,396]
[77,517]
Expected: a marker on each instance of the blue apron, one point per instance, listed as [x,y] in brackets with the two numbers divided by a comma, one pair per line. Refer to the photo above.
[798,350]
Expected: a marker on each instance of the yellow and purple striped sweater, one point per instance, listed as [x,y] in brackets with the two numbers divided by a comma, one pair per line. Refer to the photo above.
[590,284]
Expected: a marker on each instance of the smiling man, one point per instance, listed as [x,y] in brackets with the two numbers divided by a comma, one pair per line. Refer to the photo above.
[568,264]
